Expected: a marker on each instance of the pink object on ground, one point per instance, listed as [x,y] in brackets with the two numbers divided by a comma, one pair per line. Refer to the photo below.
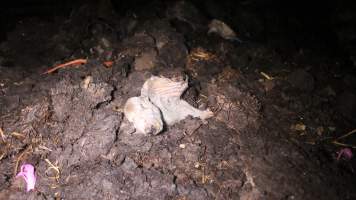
[345,152]
[28,173]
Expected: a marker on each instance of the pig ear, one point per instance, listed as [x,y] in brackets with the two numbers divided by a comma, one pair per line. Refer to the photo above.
[164,87]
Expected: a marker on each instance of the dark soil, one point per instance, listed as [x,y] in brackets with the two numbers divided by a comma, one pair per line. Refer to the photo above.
[278,109]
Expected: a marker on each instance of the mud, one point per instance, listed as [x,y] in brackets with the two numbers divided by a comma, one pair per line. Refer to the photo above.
[70,124]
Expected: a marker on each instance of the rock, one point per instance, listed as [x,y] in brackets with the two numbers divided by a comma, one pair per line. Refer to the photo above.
[268,85]
[222,29]
[186,12]
[302,80]
[350,81]
[98,138]
[128,165]
[170,44]
[173,54]
[146,61]
[237,109]
[346,105]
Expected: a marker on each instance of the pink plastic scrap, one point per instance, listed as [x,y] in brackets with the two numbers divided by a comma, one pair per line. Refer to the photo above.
[28,173]
[344,153]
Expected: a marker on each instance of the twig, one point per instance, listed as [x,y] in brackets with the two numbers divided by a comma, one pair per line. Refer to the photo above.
[343,144]
[346,135]
[2,135]
[203,96]
[228,112]
[20,157]
[18,135]
[203,178]
[55,168]
[268,77]
[336,141]
[73,62]
[44,148]
[6,148]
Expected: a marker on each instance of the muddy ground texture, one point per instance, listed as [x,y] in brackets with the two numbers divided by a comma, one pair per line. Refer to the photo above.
[276,113]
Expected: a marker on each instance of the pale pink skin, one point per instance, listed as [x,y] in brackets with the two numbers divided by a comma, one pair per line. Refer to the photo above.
[345,153]
[28,173]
